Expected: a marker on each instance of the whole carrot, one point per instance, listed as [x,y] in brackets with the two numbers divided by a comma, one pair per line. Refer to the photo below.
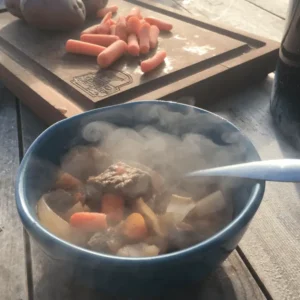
[111,53]
[162,25]
[133,25]
[133,45]
[88,222]
[90,30]
[103,28]
[102,12]
[107,18]
[99,39]
[113,29]
[121,29]
[154,32]
[153,62]
[135,11]
[144,37]
[79,47]
[67,181]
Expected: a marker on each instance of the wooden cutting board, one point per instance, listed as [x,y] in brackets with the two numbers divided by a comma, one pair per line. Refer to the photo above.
[204,60]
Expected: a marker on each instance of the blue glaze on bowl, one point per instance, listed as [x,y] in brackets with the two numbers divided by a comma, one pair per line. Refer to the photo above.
[135,276]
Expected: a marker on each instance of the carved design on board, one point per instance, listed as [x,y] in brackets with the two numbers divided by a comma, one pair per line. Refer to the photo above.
[102,83]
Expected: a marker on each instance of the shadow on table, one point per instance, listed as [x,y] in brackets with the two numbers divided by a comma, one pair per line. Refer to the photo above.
[59,281]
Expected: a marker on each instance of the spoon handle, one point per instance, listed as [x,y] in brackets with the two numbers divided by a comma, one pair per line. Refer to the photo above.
[283,170]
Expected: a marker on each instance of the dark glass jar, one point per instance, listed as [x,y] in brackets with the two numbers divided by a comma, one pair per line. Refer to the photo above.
[285,98]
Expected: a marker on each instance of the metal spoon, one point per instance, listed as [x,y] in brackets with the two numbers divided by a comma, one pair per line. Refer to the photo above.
[282,170]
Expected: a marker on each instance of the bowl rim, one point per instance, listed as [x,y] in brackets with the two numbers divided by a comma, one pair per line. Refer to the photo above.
[32,225]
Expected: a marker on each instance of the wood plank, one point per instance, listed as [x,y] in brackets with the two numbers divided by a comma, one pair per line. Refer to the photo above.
[55,280]
[278,8]
[272,243]
[12,262]
[239,14]
[81,78]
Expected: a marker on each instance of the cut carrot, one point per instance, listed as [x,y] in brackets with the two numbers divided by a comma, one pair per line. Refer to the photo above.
[113,207]
[133,45]
[113,29]
[154,32]
[88,222]
[144,37]
[90,30]
[121,29]
[134,227]
[133,25]
[112,53]
[79,47]
[107,18]
[153,62]
[162,25]
[99,39]
[67,182]
[102,12]
[103,28]
[136,12]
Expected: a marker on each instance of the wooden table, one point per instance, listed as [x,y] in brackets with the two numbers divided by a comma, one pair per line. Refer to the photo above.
[266,265]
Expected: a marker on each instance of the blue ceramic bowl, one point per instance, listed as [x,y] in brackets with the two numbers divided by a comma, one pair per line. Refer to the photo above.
[134,275]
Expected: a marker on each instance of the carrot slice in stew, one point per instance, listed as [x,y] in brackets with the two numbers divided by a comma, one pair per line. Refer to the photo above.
[113,207]
[135,227]
[88,221]
[67,181]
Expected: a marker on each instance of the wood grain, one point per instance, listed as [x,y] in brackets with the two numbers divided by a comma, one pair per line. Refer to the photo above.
[12,262]
[239,14]
[55,280]
[272,243]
